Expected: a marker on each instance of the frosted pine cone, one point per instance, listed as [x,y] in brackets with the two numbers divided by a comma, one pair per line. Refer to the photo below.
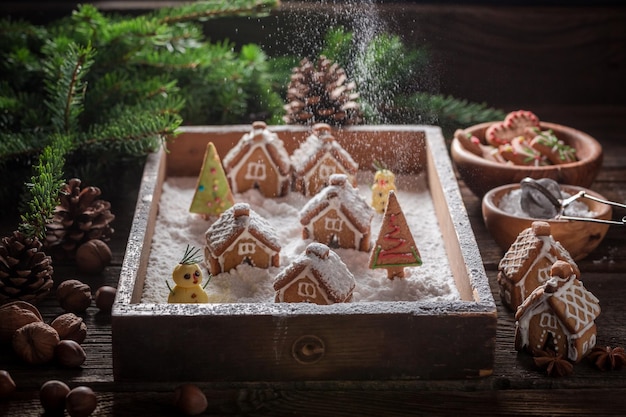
[319,93]
[79,217]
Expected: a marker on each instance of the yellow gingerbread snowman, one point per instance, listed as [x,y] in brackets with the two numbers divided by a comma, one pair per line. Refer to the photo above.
[188,279]
[384,181]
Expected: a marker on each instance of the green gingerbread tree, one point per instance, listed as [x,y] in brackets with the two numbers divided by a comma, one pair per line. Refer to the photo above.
[213,194]
[395,248]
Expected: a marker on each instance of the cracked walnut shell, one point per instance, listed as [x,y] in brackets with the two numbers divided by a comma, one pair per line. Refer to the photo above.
[35,342]
[15,315]
[70,327]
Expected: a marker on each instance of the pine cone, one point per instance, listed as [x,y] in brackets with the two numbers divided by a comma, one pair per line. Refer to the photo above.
[25,270]
[79,217]
[318,93]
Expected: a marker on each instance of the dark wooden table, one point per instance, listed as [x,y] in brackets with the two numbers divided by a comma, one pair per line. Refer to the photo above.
[515,388]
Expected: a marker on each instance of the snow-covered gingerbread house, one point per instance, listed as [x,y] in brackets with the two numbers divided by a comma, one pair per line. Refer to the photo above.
[526,264]
[317,276]
[318,158]
[558,315]
[338,216]
[241,236]
[259,161]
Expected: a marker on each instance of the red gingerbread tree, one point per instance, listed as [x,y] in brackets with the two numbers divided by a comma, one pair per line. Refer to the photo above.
[395,248]
[213,194]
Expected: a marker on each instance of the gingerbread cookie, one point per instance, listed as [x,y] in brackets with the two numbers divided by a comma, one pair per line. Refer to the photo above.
[519,152]
[241,236]
[559,316]
[517,123]
[317,276]
[553,148]
[473,144]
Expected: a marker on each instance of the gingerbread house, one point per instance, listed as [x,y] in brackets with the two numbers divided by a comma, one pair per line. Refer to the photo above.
[259,161]
[241,236]
[317,276]
[338,216]
[558,315]
[526,264]
[318,158]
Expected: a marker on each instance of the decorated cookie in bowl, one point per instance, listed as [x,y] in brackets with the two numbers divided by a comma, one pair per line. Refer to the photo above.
[492,154]
[520,123]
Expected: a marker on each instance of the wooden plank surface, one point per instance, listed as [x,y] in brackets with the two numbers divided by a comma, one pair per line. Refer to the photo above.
[580,83]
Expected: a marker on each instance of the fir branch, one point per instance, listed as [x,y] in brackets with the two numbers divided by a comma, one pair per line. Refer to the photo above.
[64,85]
[204,10]
[43,188]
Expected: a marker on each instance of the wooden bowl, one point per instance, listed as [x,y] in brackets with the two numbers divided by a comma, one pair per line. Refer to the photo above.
[579,237]
[481,175]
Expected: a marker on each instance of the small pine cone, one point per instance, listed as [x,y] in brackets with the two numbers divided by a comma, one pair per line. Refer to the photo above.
[319,93]
[25,270]
[79,217]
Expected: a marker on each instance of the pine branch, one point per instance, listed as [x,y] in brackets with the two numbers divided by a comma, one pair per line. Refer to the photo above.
[203,10]
[43,188]
[65,73]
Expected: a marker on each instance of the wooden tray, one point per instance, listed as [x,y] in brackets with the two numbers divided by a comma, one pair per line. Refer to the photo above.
[289,342]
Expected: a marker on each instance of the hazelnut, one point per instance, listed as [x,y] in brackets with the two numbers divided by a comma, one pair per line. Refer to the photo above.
[52,396]
[190,399]
[70,327]
[15,315]
[7,385]
[74,296]
[105,296]
[70,353]
[81,402]
[35,342]
[93,256]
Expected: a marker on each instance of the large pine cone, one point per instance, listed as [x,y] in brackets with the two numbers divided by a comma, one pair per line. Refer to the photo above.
[79,217]
[25,270]
[318,93]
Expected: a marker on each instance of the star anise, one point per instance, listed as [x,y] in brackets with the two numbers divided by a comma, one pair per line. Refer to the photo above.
[608,358]
[555,365]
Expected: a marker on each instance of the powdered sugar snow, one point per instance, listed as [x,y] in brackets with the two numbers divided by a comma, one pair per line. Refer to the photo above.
[176,228]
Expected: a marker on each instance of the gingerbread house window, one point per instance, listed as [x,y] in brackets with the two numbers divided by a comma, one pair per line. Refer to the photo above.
[326,170]
[333,224]
[246,248]
[548,321]
[306,290]
[256,171]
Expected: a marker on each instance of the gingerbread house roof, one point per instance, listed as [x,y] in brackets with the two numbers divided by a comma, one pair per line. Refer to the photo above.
[319,143]
[262,137]
[571,302]
[342,196]
[530,244]
[331,273]
[235,222]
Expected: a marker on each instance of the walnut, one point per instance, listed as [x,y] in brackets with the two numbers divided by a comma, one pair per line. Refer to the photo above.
[70,327]
[608,358]
[70,353]
[15,315]
[81,402]
[35,342]
[555,365]
[7,385]
[74,296]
